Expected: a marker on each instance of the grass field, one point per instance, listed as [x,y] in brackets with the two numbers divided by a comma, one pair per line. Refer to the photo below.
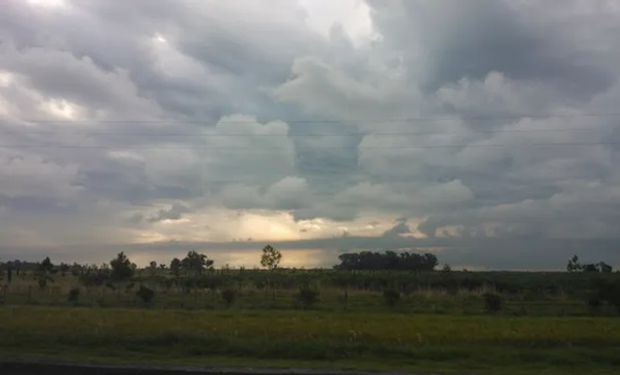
[454,293]
[279,338]
[440,323]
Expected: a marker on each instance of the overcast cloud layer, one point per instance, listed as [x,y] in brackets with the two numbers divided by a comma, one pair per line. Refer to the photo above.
[485,130]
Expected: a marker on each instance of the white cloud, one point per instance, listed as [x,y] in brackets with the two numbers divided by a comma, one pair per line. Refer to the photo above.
[353,16]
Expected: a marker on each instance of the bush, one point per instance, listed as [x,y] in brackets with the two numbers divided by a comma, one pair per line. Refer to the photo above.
[595,303]
[391,297]
[492,302]
[609,291]
[74,295]
[307,296]
[145,294]
[229,296]
[42,283]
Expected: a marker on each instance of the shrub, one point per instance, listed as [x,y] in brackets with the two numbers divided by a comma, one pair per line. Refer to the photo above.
[145,294]
[492,302]
[229,295]
[595,303]
[307,296]
[74,295]
[391,297]
[609,292]
[42,283]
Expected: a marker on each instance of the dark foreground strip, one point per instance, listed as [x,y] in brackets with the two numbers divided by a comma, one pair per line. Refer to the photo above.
[35,368]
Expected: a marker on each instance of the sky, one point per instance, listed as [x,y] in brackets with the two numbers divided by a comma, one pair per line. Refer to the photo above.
[484,131]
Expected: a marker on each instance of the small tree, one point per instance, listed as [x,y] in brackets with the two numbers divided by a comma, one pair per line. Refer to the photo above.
[391,297]
[175,267]
[74,295]
[604,267]
[591,267]
[307,296]
[595,303]
[574,265]
[492,302]
[196,263]
[9,272]
[229,295]
[145,294]
[46,266]
[153,268]
[44,271]
[122,268]
[271,257]
[609,291]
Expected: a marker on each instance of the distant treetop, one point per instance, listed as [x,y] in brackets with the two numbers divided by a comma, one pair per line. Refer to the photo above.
[388,260]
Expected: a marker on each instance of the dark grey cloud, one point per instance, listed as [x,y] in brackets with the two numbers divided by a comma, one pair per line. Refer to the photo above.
[175,212]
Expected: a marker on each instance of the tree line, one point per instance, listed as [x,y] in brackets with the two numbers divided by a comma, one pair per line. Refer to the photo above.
[574,265]
[388,260]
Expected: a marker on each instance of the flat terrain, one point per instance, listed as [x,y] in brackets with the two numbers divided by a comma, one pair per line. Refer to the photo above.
[388,341]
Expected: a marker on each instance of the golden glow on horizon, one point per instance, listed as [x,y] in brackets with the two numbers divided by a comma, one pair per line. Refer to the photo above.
[248,258]
[223,225]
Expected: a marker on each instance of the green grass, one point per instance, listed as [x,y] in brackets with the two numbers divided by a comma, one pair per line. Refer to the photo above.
[284,338]
[424,300]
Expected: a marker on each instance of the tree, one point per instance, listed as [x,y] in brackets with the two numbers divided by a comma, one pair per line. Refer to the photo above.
[391,297]
[145,294]
[591,267]
[74,295]
[44,271]
[46,265]
[64,268]
[609,291]
[153,268]
[604,267]
[388,260]
[574,265]
[175,267]
[307,296]
[271,257]
[122,268]
[492,302]
[229,295]
[196,263]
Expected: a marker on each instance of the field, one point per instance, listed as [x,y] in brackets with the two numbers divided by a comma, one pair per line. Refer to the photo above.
[439,323]
[385,341]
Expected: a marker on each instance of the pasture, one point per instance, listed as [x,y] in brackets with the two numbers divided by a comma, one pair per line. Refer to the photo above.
[277,338]
[438,321]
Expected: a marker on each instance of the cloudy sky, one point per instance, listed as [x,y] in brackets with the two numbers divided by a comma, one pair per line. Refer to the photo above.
[486,131]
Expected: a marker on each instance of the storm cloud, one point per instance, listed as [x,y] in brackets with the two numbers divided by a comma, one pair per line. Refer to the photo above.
[484,130]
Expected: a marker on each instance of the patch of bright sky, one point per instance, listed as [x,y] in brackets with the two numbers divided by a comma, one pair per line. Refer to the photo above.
[61,108]
[259,225]
[159,38]
[248,258]
[6,78]
[48,3]
[352,15]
